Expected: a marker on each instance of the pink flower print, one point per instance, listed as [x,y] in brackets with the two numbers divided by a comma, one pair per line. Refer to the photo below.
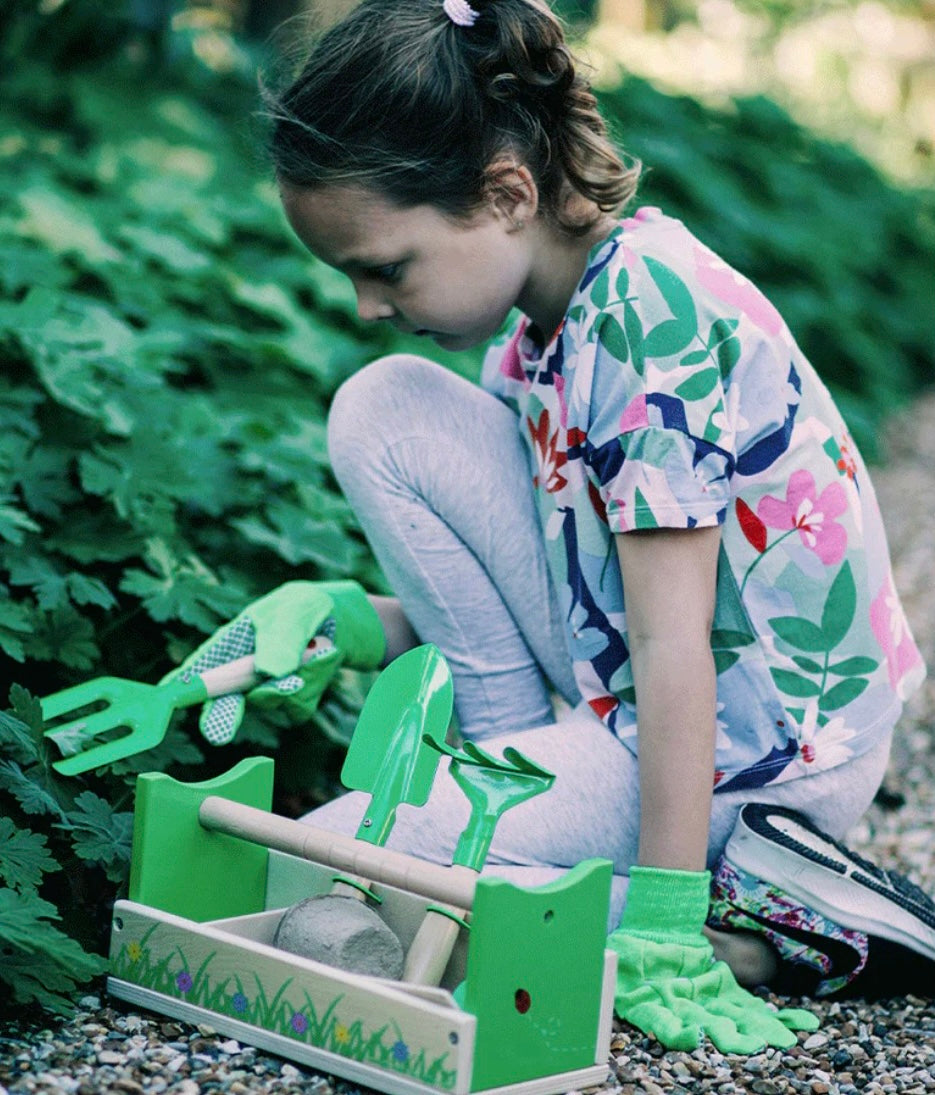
[814,517]
[734,290]
[549,458]
[511,364]
[635,416]
[888,622]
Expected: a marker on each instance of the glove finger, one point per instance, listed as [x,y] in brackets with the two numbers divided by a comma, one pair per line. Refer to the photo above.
[299,693]
[753,1019]
[286,620]
[221,718]
[728,1038]
[281,686]
[798,1019]
[667,1026]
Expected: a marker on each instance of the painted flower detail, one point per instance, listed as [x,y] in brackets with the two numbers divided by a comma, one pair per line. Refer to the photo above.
[888,622]
[299,1022]
[239,1002]
[400,1051]
[549,459]
[812,515]
[183,981]
[134,951]
[341,1034]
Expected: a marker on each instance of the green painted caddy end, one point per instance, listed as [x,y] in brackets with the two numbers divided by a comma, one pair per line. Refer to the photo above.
[181,868]
[535,975]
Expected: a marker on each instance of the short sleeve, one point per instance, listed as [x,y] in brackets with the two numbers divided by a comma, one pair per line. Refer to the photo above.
[659,441]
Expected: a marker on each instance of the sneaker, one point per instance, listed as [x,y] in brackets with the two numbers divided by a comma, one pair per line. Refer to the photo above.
[842,926]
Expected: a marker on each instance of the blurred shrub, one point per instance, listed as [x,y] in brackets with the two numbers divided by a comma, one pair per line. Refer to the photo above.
[847,259]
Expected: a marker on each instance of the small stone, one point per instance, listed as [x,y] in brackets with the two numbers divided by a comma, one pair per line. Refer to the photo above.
[108,1057]
[187,1087]
[127,1085]
[815,1040]
[230,1046]
[765,1087]
[819,1087]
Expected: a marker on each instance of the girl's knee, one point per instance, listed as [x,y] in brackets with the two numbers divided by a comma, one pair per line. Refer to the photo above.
[362,409]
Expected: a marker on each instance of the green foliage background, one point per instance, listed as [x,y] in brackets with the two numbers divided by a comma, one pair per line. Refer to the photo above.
[167,354]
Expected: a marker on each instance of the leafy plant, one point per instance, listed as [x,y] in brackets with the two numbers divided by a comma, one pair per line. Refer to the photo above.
[83,842]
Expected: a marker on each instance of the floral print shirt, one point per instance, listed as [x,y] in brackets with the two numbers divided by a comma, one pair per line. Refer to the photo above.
[673,395]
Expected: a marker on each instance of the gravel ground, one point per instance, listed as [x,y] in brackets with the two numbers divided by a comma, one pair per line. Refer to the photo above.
[870,1048]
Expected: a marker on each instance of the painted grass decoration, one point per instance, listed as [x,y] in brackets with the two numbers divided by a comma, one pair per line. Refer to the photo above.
[172,975]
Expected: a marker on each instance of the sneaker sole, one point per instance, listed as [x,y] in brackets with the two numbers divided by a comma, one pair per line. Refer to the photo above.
[827,877]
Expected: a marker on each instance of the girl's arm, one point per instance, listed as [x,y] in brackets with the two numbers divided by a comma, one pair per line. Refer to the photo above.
[399,632]
[669,578]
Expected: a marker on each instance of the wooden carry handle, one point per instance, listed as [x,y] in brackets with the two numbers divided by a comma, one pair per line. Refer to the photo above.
[446,885]
[241,675]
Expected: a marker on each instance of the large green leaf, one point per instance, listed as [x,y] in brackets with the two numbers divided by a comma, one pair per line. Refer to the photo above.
[800,633]
[24,856]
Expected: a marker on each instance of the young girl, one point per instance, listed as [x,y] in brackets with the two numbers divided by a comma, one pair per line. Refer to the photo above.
[650,508]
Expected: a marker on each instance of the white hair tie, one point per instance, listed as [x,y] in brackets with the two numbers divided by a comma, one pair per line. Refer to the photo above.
[460,13]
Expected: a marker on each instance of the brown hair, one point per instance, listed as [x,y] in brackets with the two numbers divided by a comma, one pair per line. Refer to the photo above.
[398,97]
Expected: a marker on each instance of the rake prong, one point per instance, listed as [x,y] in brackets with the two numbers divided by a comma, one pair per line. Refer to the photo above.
[99,755]
[144,710]
[103,690]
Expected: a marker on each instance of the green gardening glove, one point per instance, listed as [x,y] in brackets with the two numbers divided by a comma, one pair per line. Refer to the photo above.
[669,983]
[276,629]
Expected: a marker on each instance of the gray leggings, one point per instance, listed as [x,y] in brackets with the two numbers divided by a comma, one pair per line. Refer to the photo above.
[437,475]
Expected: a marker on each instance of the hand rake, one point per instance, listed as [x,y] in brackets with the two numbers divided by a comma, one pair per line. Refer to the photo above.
[143,711]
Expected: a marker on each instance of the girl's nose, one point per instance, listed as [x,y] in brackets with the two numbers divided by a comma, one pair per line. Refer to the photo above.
[371,306]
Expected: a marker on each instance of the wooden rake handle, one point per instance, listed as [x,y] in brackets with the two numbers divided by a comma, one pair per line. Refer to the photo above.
[240,675]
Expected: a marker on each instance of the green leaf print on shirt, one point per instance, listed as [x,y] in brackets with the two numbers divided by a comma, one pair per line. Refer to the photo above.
[724,644]
[672,335]
[814,679]
[699,385]
[613,336]
[721,347]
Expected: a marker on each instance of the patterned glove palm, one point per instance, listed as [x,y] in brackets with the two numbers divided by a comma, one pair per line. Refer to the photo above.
[668,981]
[276,629]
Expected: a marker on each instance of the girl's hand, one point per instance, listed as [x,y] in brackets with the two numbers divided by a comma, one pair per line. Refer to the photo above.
[668,982]
[277,629]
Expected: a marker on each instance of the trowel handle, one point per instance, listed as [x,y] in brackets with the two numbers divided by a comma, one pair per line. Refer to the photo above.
[430,950]
[241,675]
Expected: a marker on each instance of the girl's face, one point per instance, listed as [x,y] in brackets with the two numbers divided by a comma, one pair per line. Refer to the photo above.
[427,274]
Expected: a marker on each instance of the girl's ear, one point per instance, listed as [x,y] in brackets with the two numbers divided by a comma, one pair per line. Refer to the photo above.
[512,193]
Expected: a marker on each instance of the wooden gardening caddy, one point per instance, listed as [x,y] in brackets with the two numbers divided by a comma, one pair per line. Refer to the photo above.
[512,990]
